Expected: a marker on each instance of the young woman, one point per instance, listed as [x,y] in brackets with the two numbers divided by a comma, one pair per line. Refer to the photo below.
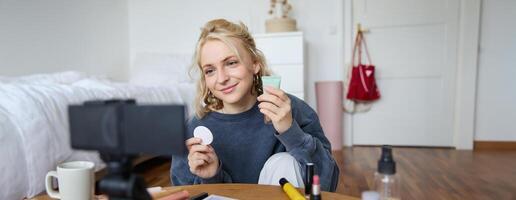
[230,102]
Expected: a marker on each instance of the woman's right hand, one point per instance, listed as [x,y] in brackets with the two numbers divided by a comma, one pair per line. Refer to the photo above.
[202,159]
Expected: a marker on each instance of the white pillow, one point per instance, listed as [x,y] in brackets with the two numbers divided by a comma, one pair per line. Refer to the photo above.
[153,69]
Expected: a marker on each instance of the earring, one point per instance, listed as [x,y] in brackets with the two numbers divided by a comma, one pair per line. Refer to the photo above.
[213,102]
[257,82]
[211,98]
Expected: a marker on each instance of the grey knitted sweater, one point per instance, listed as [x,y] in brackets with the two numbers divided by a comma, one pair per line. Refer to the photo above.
[243,143]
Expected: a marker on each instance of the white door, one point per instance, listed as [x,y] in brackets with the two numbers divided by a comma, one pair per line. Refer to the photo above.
[413,44]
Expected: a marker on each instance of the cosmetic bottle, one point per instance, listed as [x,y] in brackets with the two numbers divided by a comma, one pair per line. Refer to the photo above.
[386,182]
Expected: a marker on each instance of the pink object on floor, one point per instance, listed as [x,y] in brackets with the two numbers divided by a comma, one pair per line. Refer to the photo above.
[329,108]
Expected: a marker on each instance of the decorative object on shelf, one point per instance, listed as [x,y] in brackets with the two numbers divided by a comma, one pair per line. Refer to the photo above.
[280,21]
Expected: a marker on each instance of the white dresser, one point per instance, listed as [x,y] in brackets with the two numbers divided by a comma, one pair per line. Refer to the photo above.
[284,53]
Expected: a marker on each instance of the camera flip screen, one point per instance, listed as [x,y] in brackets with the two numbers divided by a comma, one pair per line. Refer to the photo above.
[128,129]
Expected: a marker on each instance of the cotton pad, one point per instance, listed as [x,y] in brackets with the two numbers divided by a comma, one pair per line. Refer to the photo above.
[203,133]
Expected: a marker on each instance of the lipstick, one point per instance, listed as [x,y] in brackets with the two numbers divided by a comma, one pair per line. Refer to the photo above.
[316,189]
[309,173]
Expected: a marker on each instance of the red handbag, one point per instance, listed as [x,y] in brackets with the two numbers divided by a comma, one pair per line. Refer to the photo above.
[362,84]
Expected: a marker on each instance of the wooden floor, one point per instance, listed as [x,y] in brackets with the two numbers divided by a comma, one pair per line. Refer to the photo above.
[426,173]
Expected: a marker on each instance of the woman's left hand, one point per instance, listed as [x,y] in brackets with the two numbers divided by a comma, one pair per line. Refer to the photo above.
[275,104]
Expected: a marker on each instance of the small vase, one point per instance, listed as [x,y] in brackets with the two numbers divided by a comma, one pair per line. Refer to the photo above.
[280,25]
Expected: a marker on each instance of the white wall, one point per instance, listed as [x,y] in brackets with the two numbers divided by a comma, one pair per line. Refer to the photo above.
[102,37]
[165,26]
[57,35]
[173,26]
[322,22]
[496,89]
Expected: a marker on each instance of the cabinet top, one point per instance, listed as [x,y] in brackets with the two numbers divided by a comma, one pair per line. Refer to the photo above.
[278,34]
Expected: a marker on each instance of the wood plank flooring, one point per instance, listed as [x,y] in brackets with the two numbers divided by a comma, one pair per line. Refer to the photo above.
[426,173]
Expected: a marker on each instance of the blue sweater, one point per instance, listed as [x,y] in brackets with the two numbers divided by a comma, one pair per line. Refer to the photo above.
[243,143]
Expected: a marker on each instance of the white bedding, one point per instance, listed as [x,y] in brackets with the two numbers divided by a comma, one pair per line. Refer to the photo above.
[34,134]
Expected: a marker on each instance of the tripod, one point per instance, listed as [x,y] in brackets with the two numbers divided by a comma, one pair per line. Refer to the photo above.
[120,183]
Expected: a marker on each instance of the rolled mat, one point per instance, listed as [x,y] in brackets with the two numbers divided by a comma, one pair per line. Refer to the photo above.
[329,108]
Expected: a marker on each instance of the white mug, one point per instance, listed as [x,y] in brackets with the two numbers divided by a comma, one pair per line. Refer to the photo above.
[75,180]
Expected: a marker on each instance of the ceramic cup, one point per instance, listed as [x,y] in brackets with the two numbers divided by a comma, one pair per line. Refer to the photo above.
[75,181]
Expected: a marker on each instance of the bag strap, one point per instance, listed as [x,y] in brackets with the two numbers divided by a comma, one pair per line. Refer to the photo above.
[357,47]
[363,41]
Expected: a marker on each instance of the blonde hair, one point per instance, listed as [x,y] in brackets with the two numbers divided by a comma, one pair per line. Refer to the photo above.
[223,30]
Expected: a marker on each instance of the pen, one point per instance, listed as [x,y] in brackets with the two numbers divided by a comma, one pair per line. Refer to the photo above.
[183,194]
[199,196]
[166,192]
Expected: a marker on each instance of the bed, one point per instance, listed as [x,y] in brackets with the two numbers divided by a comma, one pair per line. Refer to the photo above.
[34,132]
